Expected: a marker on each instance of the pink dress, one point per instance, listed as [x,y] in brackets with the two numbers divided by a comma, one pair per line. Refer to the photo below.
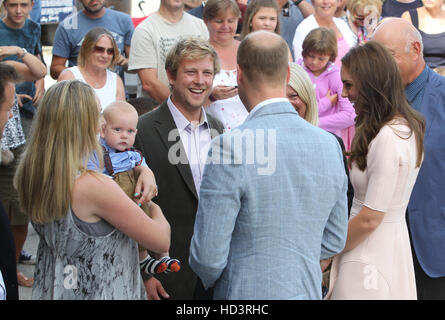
[381,267]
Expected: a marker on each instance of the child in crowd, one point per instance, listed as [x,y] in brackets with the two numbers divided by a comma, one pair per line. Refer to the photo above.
[336,114]
[363,16]
[118,132]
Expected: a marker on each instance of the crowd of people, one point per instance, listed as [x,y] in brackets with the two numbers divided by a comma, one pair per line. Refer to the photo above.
[296,154]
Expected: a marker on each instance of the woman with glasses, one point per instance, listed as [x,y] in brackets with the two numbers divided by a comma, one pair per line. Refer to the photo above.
[363,16]
[98,54]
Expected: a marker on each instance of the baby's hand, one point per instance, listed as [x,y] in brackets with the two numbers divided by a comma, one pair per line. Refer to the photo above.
[146,187]
[333,98]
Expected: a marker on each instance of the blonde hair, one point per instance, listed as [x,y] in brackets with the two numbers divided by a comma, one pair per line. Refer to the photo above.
[63,137]
[302,84]
[252,9]
[192,48]
[90,40]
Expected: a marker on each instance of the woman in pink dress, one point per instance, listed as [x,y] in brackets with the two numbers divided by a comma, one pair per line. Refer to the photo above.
[386,154]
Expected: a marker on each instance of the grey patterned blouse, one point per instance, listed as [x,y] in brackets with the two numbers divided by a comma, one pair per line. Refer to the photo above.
[13,135]
[76,266]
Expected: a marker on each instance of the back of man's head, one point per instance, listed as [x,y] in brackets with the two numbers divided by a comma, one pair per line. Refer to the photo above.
[263,57]
[7,74]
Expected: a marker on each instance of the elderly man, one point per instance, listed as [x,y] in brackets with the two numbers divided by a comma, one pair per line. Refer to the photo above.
[265,221]
[174,139]
[426,210]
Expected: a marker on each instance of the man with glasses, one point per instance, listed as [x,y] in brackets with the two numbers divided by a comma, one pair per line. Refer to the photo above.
[70,32]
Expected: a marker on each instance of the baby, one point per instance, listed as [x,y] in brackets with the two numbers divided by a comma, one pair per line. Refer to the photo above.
[118,132]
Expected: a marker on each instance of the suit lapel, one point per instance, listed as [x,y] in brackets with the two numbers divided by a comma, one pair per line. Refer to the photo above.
[165,126]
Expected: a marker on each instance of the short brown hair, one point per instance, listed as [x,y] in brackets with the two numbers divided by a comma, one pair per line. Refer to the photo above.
[214,7]
[7,74]
[321,41]
[263,61]
[190,48]
[90,40]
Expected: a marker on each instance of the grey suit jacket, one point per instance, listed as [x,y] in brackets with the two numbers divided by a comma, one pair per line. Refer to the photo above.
[272,204]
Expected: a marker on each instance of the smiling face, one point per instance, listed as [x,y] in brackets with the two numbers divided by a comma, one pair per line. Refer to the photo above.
[192,83]
[349,86]
[223,26]
[102,53]
[325,8]
[265,19]
[17,11]
[296,101]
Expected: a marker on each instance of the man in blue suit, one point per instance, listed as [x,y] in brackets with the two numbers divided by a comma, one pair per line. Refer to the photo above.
[426,210]
[272,201]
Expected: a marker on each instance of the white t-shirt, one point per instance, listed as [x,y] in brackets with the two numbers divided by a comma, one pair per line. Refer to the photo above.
[153,38]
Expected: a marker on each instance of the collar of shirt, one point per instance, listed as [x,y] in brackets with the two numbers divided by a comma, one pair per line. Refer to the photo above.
[414,91]
[263,103]
[181,122]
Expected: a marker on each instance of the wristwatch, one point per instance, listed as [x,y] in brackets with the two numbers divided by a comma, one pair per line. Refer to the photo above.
[297,2]
[23,54]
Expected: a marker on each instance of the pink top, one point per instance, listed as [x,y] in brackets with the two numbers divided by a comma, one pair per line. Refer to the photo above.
[342,49]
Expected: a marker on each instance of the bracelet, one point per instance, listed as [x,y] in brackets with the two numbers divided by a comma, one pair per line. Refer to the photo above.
[297,2]
[23,54]
[212,98]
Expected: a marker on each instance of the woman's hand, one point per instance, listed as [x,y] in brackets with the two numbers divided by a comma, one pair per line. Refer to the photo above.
[146,187]
[40,90]
[21,97]
[122,61]
[224,92]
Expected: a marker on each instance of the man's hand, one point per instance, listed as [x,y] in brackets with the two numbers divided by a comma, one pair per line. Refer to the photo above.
[155,290]
[324,264]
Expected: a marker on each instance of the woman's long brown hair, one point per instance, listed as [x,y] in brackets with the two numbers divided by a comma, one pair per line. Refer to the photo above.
[380,99]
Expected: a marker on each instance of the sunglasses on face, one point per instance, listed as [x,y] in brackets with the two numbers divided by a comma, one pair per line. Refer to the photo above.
[110,51]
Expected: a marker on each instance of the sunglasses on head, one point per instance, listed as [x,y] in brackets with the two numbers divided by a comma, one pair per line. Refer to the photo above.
[110,51]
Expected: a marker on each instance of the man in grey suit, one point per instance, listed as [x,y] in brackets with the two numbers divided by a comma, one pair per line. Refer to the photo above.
[272,202]
[174,140]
